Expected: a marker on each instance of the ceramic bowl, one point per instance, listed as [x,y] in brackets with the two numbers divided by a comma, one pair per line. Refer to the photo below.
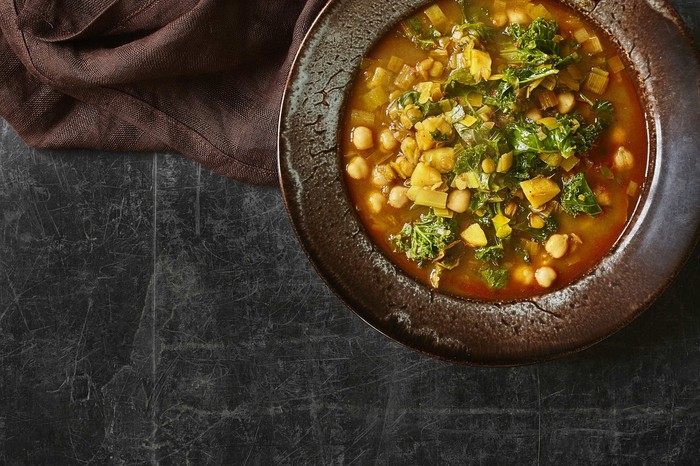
[651,250]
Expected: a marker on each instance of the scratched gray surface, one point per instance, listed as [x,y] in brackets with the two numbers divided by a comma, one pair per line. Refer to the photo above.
[151,312]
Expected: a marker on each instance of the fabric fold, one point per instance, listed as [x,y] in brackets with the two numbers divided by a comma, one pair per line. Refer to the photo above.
[204,77]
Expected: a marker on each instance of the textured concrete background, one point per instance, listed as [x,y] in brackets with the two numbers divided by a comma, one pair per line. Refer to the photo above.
[151,312]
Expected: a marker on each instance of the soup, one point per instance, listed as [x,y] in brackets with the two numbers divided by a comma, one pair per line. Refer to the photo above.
[494,149]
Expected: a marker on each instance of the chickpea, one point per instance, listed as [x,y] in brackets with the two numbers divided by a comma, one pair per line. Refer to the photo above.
[436,70]
[414,113]
[458,201]
[545,276]
[557,245]
[398,197]
[488,165]
[602,196]
[524,274]
[623,159]
[362,138]
[567,102]
[376,202]
[406,122]
[382,175]
[536,221]
[534,114]
[357,168]
[426,64]
[403,167]
[387,140]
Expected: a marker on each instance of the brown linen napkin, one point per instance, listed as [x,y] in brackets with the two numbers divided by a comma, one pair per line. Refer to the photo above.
[200,77]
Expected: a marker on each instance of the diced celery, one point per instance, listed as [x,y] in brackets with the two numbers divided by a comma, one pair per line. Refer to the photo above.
[469,120]
[549,82]
[445,213]
[374,98]
[413,191]
[567,80]
[430,198]
[538,11]
[475,99]
[581,35]
[406,77]
[592,45]
[547,99]
[395,64]
[361,118]
[615,64]
[597,81]
[380,77]
[437,17]
[471,179]
[553,160]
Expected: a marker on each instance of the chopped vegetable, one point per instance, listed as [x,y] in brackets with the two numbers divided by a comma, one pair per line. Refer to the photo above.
[495,278]
[425,239]
[577,197]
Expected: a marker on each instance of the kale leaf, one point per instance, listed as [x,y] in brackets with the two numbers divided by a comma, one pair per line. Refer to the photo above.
[428,108]
[538,234]
[526,165]
[470,158]
[577,197]
[538,44]
[496,279]
[490,254]
[422,35]
[571,136]
[507,95]
[425,239]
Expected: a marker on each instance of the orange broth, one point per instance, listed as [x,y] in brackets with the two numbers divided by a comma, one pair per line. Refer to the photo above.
[589,238]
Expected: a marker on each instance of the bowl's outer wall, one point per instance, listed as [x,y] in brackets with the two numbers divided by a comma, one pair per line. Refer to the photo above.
[653,248]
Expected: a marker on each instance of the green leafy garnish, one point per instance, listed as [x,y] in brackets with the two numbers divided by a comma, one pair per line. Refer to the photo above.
[426,239]
[422,35]
[538,234]
[496,279]
[538,44]
[490,254]
[577,197]
[572,136]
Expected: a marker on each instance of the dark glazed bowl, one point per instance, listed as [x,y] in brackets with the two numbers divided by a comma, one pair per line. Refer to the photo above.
[650,252]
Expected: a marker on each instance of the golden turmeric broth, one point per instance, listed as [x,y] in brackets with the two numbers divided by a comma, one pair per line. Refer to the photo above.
[494,149]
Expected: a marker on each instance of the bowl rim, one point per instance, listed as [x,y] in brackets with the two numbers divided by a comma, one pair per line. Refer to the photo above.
[290,180]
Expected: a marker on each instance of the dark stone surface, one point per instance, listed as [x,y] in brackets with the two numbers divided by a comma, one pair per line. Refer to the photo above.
[151,312]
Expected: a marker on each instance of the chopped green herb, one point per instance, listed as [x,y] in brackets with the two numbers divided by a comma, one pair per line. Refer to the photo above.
[577,197]
[496,279]
[490,254]
[425,239]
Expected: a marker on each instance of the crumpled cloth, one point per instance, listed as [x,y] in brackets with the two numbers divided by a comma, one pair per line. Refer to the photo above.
[201,77]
